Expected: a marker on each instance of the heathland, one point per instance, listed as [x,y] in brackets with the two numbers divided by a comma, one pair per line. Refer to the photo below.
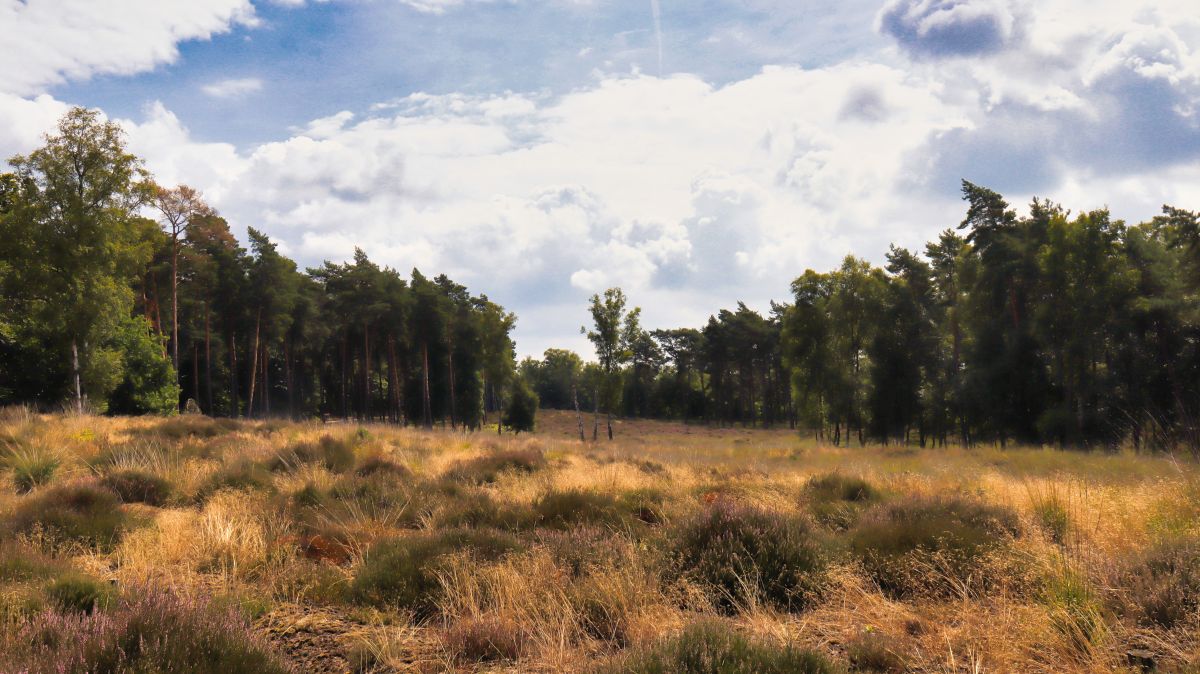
[193,544]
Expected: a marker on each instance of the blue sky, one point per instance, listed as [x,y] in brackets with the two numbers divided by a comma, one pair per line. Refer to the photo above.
[542,150]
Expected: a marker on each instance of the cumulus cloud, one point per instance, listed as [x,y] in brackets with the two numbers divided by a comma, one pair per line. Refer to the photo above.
[949,27]
[233,88]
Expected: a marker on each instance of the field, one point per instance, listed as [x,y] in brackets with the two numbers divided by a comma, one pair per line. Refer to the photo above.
[192,544]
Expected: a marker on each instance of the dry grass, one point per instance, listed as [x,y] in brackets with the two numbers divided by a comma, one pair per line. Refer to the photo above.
[1064,586]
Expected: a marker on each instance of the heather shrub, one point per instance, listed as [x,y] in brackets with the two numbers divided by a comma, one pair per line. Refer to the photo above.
[402,572]
[571,507]
[479,511]
[485,639]
[744,554]
[82,512]
[147,631]
[837,500]
[138,486]
[336,455]
[712,647]
[191,426]
[929,544]
[79,593]
[241,475]
[873,651]
[375,464]
[1161,586]
[487,468]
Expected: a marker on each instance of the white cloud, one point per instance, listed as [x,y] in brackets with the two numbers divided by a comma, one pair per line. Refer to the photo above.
[233,88]
[47,42]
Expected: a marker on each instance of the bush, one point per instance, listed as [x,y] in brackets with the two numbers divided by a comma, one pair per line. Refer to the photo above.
[572,507]
[479,510]
[487,468]
[150,631]
[486,639]
[242,475]
[837,500]
[714,648]
[335,455]
[376,464]
[18,564]
[521,411]
[138,486]
[1161,586]
[82,512]
[79,593]
[873,651]
[743,554]
[31,467]
[896,542]
[402,572]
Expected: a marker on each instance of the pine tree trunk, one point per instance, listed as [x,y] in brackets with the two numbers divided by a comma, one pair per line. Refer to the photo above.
[453,403]
[253,365]
[596,415]
[175,303]
[266,373]
[578,414]
[366,368]
[208,362]
[233,385]
[76,377]
[610,435]
[287,375]
[196,372]
[427,405]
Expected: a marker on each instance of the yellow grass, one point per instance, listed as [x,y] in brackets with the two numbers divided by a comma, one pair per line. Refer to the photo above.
[1083,518]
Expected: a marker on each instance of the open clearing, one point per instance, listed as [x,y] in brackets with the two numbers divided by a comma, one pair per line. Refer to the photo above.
[331,547]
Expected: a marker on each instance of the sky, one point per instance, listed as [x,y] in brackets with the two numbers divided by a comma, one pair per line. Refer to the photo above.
[696,153]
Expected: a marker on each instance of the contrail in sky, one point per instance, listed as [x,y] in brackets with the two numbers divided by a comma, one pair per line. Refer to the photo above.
[657,11]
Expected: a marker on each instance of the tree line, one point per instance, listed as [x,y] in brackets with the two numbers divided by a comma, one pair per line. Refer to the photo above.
[114,310]
[1046,328]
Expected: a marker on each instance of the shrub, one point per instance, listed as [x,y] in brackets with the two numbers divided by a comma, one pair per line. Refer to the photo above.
[487,468]
[837,500]
[150,631]
[714,648]
[335,455]
[571,507]
[191,426]
[31,467]
[896,541]
[478,510]
[18,564]
[485,639]
[377,464]
[1161,586]
[82,512]
[743,553]
[242,475]
[79,593]
[138,486]
[402,572]
[873,651]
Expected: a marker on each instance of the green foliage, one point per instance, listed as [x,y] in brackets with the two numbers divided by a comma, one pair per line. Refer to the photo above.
[402,572]
[521,412]
[894,540]
[75,592]
[149,385]
[82,512]
[745,555]
[138,486]
[146,631]
[715,648]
